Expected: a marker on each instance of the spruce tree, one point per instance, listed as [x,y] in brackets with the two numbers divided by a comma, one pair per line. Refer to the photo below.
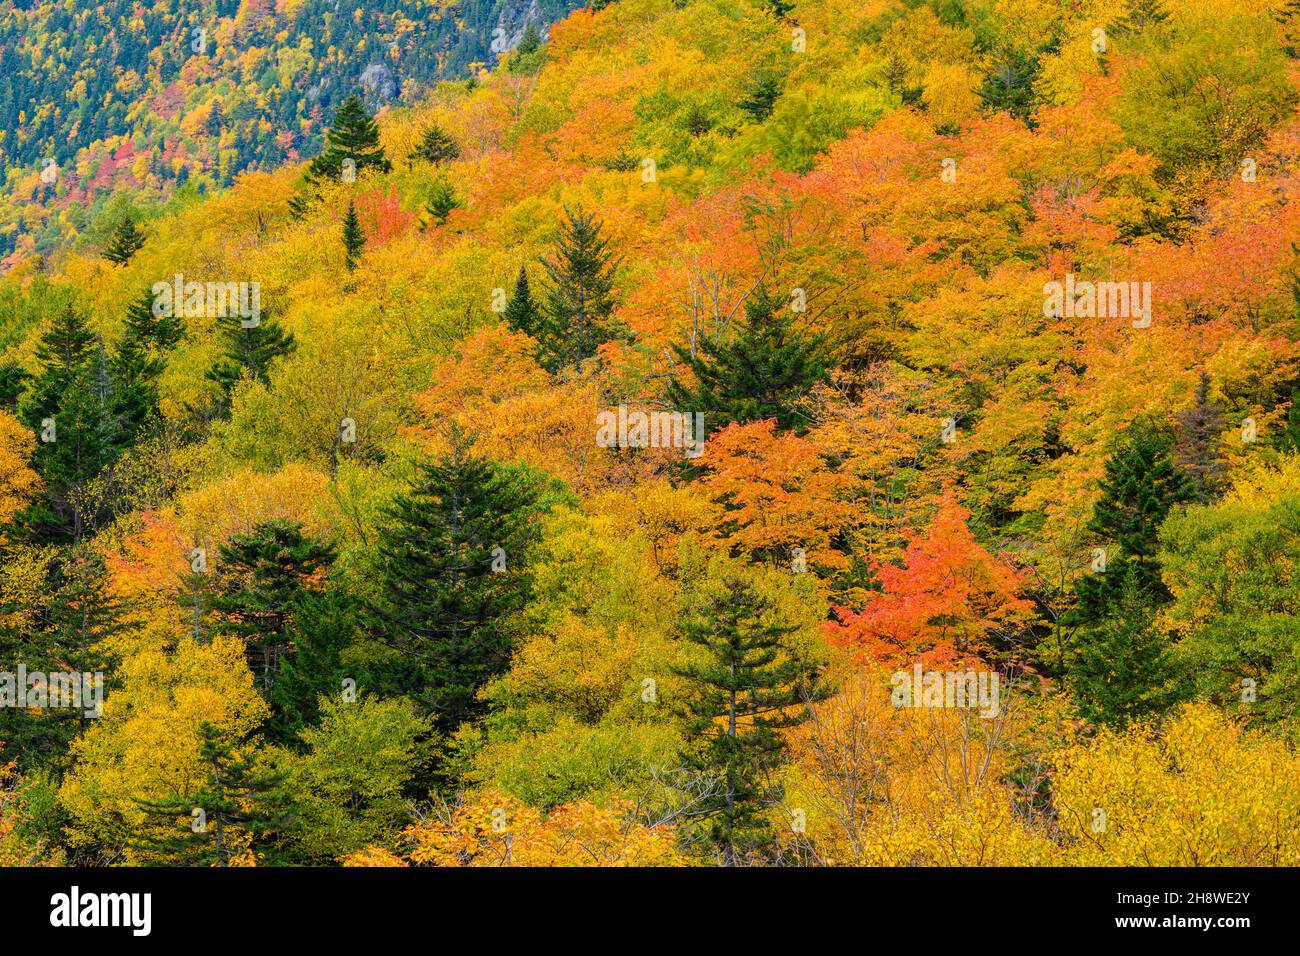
[1122,666]
[747,683]
[321,627]
[262,575]
[250,351]
[764,371]
[522,313]
[1140,15]
[353,136]
[580,298]
[761,98]
[445,588]
[442,200]
[125,241]
[236,804]
[1009,86]
[1288,436]
[1198,448]
[436,146]
[160,333]
[354,240]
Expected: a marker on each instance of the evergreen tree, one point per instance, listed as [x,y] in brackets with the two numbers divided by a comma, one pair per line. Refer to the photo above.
[530,42]
[13,380]
[1288,436]
[1009,86]
[761,98]
[321,628]
[436,146]
[71,406]
[445,588]
[1140,486]
[522,313]
[262,576]
[1198,449]
[160,333]
[1122,668]
[237,804]
[354,240]
[125,241]
[579,301]
[1140,15]
[748,684]
[353,136]
[442,200]
[764,371]
[250,350]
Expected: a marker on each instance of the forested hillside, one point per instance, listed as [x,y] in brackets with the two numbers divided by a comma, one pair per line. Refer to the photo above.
[728,432]
[105,107]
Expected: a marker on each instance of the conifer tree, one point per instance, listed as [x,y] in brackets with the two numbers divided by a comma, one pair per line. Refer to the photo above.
[1197,449]
[125,241]
[160,333]
[442,200]
[748,682]
[354,240]
[321,627]
[446,587]
[761,98]
[436,146]
[261,577]
[353,136]
[237,806]
[522,313]
[1122,666]
[764,371]
[250,351]
[579,301]
[1140,15]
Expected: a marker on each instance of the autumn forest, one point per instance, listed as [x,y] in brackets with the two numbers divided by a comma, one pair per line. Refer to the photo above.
[658,433]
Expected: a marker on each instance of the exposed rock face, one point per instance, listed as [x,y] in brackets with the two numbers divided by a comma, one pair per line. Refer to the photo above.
[379,82]
[513,20]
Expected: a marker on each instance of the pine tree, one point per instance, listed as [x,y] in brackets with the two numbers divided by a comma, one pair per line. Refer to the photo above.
[353,136]
[354,240]
[436,146]
[445,587]
[250,351]
[1009,86]
[1198,449]
[579,301]
[262,574]
[530,42]
[125,242]
[442,200]
[763,372]
[161,333]
[748,683]
[1140,486]
[235,800]
[1140,15]
[1122,671]
[522,313]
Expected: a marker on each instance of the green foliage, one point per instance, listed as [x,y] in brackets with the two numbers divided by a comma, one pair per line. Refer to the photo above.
[763,371]
[124,243]
[579,302]
[354,240]
[352,143]
[436,146]
[522,313]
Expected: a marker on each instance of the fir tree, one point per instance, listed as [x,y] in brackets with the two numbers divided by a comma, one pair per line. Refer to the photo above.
[1198,448]
[353,136]
[125,241]
[237,804]
[436,147]
[748,683]
[321,627]
[1009,86]
[442,200]
[354,240]
[1140,15]
[1140,486]
[13,381]
[761,98]
[161,333]
[579,301]
[1288,435]
[522,313]
[764,371]
[530,42]
[445,588]
[250,351]
[1121,670]
[262,576]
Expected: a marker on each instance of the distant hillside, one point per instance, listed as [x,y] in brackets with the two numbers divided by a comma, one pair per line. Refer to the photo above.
[134,98]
